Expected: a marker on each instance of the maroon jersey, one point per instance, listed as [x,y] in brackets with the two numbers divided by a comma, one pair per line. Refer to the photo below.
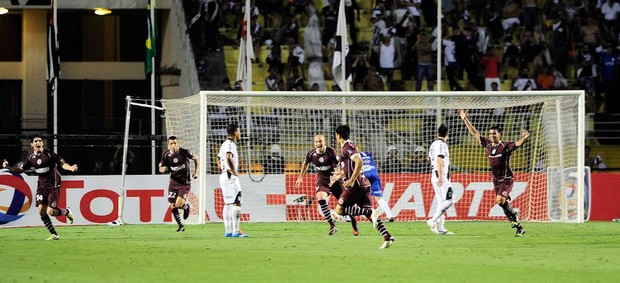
[347,151]
[178,165]
[499,158]
[324,162]
[45,166]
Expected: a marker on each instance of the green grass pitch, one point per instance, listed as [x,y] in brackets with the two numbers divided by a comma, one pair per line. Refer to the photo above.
[303,252]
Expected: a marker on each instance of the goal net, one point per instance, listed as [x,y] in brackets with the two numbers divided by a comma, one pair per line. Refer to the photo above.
[397,128]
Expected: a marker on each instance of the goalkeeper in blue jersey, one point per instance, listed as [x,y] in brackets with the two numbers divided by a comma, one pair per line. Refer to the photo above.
[369,168]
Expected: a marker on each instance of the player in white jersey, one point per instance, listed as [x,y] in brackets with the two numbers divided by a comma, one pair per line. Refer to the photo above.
[228,162]
[440,178]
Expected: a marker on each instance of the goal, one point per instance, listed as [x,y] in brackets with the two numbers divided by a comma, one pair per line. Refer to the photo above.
[397,128]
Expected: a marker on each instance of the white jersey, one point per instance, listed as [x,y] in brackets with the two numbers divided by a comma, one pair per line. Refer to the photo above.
[439,148]
[228,146]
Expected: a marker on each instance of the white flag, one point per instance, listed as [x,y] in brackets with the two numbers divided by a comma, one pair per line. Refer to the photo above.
[342,58]
[246,51]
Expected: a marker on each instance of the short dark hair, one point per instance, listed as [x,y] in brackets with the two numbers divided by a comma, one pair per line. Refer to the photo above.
[172,138]
[34,136]
[442,131]
[231,129]
[344,131]
[497,128]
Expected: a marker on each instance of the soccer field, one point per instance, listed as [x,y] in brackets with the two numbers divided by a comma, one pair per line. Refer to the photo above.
[303,252]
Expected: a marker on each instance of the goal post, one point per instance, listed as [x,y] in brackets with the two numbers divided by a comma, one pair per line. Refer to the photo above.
[397,128]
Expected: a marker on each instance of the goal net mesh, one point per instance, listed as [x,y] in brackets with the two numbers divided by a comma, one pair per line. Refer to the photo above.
[398,130]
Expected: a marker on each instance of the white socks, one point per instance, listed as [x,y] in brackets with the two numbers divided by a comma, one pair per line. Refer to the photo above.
[439,213]
[227,219]
[235,215]
[383,205]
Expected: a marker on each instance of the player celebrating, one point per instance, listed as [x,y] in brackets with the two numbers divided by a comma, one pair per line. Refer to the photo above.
[176,161]
[325,160]
[228,162]
[440,178]
[499,157]
[45,163]
[369,169]
[357,187]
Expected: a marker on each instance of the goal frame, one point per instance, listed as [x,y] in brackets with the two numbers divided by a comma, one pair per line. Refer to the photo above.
[249,95]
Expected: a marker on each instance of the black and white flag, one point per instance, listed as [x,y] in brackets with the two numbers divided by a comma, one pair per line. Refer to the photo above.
[341,78]
[53,58]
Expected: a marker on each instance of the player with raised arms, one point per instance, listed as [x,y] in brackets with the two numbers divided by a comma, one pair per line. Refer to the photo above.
[439,156]
[45,163]
[355,199]
[499,154]
[369,168]
[228,162]
[176,161]
[325,160]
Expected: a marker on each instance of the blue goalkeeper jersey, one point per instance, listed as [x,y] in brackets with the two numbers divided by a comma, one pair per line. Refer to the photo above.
[369,168]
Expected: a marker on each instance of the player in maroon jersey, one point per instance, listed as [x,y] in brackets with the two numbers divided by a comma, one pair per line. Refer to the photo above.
[176,161]
[325,160]
[499,158]
[356,186]
[45,163]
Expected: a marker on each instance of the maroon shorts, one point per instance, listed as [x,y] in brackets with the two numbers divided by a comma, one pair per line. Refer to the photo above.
[503,188]
[48,197]
[336,189]
[356,195]
[177,190]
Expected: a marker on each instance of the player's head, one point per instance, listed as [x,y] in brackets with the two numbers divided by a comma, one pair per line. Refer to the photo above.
[495,133]
[173,144]
[36,142]
[442,131]
[343,132]
[319,142]
[233,131]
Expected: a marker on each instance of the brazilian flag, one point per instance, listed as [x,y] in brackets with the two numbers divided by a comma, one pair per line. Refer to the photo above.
[151,38]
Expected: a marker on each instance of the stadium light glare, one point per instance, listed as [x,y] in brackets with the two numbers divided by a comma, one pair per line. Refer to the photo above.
[3,10]
[102,11]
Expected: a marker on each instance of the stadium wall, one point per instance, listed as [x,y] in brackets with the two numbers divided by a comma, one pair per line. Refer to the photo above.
[93,199]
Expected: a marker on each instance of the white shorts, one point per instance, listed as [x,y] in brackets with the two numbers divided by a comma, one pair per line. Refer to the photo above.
[230,187]
[441,191]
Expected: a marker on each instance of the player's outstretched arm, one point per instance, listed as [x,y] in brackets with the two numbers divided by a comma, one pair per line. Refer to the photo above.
[524,135]
[5,165]
[72,168]
[469,125]
[302,172]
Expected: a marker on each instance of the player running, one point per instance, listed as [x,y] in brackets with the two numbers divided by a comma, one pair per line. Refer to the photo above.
[45,163]
[325,160]
[499,157]
[176,161]
[356,186]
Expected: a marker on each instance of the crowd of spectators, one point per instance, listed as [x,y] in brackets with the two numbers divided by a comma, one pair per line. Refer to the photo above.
[487,44]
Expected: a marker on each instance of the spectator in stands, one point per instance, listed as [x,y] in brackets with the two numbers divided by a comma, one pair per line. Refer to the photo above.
[419,161]
[392,162]
[289,32]
[609,75]
[424,51]
[350,7]
[590,33]
[530,14]
[379,28]
[610,10]
[271,81]
[270,8]
[226,84]
[452,65]
[360,69]
[329,20]
[295,58]
[595,162]
[587,73]
[211,16]
[524,82]
[413,6]
[559,43]
[510,14]
[296,82]
[493,21]
[373,81]
[511,60]
[315,87]
[274,59]
[274,163]
[387,55]
[545,79]
[490,62]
